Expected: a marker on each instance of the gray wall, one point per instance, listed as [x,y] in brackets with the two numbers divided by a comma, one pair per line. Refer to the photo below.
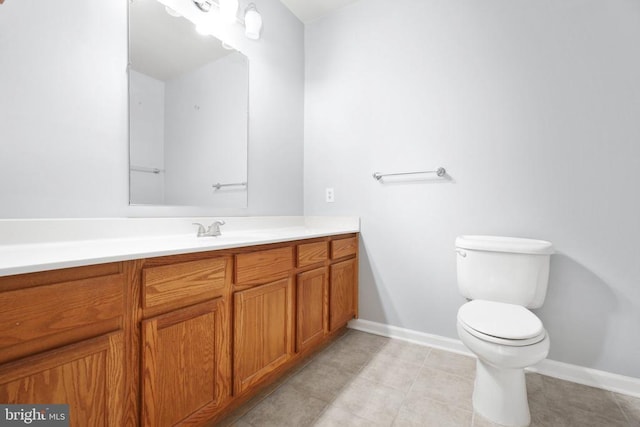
[63,112]
[533,108]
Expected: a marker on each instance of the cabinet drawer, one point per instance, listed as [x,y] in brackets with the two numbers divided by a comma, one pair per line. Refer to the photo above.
[43,317]
[312,253]
[344,247]
[175,285]
[263,266]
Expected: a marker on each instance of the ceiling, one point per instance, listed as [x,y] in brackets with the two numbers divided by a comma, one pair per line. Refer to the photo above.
[310,10]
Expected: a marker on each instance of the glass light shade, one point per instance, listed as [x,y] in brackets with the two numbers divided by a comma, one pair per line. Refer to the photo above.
[229,10]
[252,23]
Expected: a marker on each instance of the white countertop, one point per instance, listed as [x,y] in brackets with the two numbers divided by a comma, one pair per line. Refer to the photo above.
[47,244]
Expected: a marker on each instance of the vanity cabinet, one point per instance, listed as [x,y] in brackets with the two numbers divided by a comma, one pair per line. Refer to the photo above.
[259,267]
[88,376]
[63,340]
[342,248]
[185,372]
[343,282]
[173,340]
[181,361]
[342,293]
[262,337]
[311,307]
[326,297]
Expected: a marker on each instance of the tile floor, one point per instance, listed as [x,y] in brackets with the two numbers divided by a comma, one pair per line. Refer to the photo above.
[368,380]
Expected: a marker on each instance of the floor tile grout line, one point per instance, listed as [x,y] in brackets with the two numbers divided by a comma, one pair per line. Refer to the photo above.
[303,366]
[286,380]
[624,413]
[355,375]
[616,412]
[404,399]
[332,401]
[405,393]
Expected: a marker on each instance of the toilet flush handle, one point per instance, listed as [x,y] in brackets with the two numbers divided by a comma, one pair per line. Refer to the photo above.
[462,253]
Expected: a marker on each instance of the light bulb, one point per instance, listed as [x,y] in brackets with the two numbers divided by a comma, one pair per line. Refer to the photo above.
[252,22]
[229,10]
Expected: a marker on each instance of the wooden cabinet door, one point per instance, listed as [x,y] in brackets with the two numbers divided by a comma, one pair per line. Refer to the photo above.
[342,293]
[88,376]
[262,332]
[182,361]
[311,307]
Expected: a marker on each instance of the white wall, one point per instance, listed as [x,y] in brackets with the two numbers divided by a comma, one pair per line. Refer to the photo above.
[63,112]
[532,107]
[146,136]
[63,109]
[207,108]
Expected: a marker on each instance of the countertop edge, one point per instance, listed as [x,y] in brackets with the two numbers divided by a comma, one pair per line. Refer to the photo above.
[48,256]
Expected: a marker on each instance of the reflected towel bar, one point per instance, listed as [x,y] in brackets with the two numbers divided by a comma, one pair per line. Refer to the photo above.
[145,169]
[378,176]
[218,186]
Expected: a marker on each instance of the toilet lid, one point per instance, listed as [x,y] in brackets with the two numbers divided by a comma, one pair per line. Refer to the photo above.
[502,320]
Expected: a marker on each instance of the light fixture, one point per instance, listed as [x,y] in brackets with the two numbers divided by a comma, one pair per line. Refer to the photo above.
[203,5]
[228,10]
[252,22]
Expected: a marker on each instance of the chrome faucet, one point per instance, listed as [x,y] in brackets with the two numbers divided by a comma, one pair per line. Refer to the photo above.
[212,230]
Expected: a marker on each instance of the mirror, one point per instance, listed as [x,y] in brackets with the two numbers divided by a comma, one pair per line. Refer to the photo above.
[188,113]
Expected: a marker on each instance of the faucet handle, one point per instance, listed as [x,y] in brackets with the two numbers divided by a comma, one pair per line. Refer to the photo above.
[214,228]
[201,230]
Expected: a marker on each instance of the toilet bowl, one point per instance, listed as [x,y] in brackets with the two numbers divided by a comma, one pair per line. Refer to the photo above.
[502,277]
[506,338]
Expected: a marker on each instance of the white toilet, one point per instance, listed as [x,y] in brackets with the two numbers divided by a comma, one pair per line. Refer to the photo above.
[503,277]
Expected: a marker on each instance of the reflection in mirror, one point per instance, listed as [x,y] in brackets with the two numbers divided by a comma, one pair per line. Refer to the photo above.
[188,113]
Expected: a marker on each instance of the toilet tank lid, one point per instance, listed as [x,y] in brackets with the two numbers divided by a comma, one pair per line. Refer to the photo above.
[505,244]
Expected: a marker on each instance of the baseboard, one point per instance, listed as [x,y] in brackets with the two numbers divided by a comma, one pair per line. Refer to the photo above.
[587,376]
[565,371]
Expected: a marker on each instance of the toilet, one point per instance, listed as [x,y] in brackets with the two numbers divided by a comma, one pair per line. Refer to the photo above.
[502,277]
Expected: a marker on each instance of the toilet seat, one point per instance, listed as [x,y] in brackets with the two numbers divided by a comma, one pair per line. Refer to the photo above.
[501,323]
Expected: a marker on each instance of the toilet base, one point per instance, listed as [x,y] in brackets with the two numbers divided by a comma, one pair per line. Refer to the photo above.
[500,395]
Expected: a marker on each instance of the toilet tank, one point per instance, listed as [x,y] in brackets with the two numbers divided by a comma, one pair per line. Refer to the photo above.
[504,269]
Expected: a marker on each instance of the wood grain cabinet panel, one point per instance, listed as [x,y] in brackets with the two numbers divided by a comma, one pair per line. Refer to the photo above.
[311,307]
[182,372]
[262,332]
[261,267]
[343,293]
[344,247]
[44,317]
[88,376]
[312,253]
[176,285]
